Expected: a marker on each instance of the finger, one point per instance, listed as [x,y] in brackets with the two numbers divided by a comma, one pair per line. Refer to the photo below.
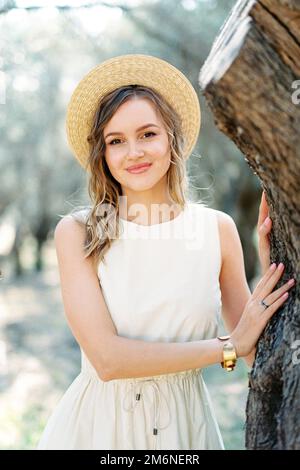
[279,292]
[264,251]
[275,306]
[263,281]
[263,210]
[265,229]
[264,200]
[272,281]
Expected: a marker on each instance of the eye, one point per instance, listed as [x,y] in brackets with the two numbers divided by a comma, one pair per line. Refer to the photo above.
[153,133]
[114,140]
[111,142]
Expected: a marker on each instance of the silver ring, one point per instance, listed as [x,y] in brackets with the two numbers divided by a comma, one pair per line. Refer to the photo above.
[264,304]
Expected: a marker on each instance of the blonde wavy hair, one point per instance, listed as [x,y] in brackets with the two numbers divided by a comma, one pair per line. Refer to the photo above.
[101,222]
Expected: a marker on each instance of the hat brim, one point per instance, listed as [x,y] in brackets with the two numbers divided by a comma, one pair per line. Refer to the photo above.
[130,69]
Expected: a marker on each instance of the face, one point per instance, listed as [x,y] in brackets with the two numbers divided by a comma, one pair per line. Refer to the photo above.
[129,145]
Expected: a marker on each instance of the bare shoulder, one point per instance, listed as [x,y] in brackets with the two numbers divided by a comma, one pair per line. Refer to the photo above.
[70,230]
[224,219]
[69,237]
[228,232]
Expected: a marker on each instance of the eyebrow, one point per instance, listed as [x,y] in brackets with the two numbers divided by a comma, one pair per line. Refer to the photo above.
[138,129]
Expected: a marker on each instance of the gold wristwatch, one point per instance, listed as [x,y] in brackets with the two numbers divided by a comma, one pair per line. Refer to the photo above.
[229,354]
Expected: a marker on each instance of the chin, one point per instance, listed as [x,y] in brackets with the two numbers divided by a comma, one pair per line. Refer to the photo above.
[141,185]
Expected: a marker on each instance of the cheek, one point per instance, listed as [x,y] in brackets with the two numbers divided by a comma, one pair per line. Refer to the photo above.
[160,151]
[113,160]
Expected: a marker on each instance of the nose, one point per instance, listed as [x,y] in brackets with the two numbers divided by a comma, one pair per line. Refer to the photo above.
[135,150]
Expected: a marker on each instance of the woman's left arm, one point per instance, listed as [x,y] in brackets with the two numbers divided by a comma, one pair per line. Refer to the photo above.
[234,287]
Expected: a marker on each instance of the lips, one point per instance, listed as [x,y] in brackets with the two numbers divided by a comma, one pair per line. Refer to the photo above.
[137,167]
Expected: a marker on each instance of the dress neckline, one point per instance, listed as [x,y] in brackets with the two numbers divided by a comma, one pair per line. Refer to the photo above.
[161,224]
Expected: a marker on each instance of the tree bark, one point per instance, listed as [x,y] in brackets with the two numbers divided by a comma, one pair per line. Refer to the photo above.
[251,80]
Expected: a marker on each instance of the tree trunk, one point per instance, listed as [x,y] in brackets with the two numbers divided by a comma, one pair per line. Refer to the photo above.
[40,232]
[251,82]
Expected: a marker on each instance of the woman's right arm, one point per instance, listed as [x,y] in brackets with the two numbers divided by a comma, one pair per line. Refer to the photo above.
[116,357]
[87,314]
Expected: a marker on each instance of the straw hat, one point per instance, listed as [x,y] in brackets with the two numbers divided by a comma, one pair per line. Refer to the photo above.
[130,69]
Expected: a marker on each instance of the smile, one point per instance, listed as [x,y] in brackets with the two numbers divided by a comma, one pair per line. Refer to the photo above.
[140,169]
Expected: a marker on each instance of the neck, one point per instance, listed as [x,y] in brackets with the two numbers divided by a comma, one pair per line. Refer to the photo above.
[148,207]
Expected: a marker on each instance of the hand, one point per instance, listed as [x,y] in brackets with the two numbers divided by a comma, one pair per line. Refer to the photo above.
[255,316]
[264,227]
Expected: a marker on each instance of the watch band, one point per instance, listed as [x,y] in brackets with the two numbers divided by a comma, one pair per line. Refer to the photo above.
[229,357]
[229,353]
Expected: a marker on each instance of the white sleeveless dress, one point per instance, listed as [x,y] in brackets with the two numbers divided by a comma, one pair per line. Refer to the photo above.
[160,283]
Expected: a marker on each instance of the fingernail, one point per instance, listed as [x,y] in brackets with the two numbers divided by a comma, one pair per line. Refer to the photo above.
[291,282]
[280,266]
[267,220]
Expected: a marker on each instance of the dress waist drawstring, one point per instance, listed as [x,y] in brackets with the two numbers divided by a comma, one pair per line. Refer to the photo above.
[135,392]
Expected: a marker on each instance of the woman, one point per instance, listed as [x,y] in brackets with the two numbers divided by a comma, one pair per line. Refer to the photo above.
[142,293]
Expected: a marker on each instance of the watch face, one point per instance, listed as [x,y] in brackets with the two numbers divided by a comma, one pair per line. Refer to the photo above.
[224,338]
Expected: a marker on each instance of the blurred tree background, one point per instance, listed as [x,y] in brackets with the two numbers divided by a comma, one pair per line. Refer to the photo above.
[45,51]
